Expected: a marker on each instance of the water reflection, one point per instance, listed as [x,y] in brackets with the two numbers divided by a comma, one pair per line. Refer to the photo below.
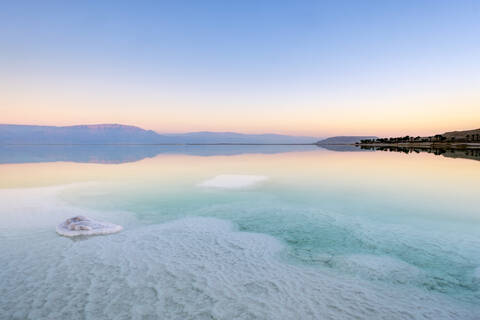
[129,153]
[341,147]
[116,154]
[473,154]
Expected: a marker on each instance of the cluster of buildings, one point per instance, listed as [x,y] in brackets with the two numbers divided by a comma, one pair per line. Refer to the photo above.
[469,136]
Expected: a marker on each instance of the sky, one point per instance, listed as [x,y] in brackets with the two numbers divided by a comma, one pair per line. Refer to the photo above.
[294,67]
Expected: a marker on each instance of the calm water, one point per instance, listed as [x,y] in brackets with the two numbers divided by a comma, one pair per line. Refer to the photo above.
[317,234]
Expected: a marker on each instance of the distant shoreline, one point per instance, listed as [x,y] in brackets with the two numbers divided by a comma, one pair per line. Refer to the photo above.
[424,145]
[159,144]
[419,145]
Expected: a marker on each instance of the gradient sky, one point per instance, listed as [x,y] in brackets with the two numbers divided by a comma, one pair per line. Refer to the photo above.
[298,67]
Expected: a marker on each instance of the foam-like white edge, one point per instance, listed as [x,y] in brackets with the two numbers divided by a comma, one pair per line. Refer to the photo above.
[232,181]
[97,228]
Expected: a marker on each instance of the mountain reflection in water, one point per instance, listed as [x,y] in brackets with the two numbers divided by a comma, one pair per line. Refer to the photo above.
[129,153]
[115,154]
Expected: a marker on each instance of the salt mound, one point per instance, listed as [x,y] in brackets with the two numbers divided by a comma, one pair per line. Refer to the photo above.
[83,226]
[232,181]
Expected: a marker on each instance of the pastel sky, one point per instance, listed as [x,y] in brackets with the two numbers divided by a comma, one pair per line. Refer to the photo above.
[297,67]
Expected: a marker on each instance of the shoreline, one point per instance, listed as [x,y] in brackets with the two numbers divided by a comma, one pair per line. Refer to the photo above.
[159,144]
[424,145]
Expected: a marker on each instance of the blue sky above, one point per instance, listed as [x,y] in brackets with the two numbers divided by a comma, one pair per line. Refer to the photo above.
[267,55]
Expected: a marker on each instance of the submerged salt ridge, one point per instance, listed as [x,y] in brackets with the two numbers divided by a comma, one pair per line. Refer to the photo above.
[195,268]
[398,254]
[198,268]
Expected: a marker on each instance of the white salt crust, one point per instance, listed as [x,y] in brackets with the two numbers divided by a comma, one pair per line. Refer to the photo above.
[83,226]
[476,274]
[193,268]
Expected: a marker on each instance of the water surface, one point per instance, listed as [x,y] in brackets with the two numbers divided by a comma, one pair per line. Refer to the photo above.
[322,235]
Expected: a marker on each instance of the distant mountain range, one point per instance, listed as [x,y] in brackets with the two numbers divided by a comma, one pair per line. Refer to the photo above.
[123,134]
[344,139]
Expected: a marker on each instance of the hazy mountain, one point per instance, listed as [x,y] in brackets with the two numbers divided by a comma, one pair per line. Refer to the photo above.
[83,134]
[344,139]
[233,137]
[122,134]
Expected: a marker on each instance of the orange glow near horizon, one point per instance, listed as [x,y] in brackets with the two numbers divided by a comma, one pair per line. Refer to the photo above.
[403,111]
[321,122]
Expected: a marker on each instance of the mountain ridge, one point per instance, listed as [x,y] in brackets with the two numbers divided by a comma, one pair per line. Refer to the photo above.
[115,133]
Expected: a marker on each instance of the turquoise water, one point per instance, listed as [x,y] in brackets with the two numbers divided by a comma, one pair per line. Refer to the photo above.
[325,235]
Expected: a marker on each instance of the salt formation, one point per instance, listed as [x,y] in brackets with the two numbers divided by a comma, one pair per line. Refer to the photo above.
[476,275]
[197,268]
[375,267]
[83,226]
[232,181]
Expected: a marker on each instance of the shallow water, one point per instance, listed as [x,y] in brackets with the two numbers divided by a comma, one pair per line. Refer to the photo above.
[323,235]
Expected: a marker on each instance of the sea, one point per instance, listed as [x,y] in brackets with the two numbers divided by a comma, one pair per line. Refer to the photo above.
[239,232]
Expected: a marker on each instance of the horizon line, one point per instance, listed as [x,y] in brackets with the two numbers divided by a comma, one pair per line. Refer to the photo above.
[204,131]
